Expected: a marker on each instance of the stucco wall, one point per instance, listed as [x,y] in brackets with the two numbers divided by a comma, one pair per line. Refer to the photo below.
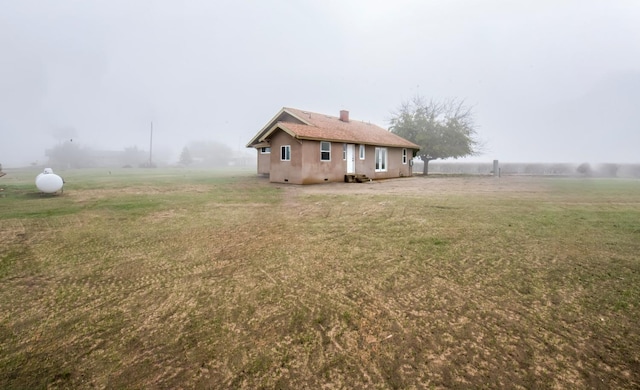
[395,167]
[305,166]
[317,171]
[285,171]
[263,162]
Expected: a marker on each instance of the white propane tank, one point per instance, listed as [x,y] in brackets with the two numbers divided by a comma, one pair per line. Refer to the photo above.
[48,182]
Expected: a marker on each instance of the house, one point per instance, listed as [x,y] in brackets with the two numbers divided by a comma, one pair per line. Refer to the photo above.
[302,147]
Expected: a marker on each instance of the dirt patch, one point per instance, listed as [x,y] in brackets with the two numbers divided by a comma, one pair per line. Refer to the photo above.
[419,185]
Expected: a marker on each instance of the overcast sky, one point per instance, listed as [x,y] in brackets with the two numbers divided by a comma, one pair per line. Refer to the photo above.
[550,81]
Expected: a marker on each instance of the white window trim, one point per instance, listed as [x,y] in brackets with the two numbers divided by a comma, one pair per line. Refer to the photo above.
[344,152]
[265,151]
[404,156]
[286,148]
[325,151]
[382,163]
[362,152]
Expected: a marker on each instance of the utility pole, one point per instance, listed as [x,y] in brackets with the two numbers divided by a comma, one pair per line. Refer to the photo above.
[151,146]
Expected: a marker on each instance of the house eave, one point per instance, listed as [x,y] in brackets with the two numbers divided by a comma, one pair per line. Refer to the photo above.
[350,141]
[269,127]
[275,127]
[260,145]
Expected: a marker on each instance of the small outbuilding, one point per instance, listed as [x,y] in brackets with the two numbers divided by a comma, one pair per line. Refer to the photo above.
[302,147]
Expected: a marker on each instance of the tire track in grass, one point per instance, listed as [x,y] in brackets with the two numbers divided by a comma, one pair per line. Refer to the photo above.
[360,339]
[304,291]
[84,295]
[499,322]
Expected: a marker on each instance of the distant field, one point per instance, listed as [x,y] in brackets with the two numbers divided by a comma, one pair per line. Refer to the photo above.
[209,279]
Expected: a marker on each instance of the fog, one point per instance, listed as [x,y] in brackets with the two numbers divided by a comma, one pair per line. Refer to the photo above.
[550,81]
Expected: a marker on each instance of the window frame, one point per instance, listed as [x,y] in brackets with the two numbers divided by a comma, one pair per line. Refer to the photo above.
[381,159]
[344,152]
[322,151]
[285,153]
[404,156]
[361,152]
[265,150]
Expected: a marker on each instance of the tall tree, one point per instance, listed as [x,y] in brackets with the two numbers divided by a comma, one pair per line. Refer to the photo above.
[185,157]
[442,129]
[69,154]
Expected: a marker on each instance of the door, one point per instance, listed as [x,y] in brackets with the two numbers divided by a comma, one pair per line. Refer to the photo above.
[351,159]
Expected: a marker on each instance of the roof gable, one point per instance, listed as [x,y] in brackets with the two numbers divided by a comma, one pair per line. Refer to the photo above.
[313,126]
[284,115]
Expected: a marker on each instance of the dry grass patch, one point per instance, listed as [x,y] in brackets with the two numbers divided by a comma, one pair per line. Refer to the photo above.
[420,282]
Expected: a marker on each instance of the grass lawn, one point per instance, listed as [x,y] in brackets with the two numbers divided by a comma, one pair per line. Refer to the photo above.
[210,279]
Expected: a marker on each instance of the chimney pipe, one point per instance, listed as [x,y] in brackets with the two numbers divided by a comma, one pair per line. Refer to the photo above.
[344,115]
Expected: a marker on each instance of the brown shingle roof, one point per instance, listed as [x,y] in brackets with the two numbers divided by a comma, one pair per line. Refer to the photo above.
[330,128]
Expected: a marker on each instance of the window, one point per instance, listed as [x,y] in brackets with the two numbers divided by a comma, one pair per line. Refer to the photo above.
[381,159]
[344,151]
[325,151]
[361,152]
[265,150]
[285,152]
[404,156]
